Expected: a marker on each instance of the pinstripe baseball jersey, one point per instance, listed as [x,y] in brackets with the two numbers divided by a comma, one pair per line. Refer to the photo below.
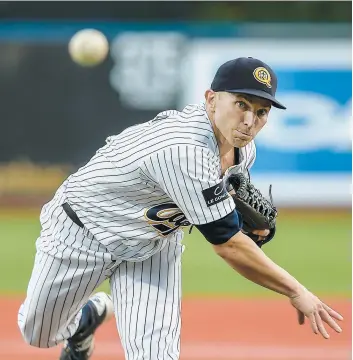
[151,180]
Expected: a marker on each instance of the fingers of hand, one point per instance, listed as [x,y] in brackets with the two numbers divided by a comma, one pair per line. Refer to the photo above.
[318,313]
[301,317]
[313,324]
[321,326]
[328,320]
[332,312]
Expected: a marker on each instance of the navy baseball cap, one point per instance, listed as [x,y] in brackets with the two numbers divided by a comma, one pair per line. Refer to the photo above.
[247,75]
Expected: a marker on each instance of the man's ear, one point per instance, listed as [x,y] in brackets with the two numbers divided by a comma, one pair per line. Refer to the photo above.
[210,97]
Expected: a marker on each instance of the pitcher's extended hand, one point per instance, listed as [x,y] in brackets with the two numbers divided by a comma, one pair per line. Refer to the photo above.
[310,306]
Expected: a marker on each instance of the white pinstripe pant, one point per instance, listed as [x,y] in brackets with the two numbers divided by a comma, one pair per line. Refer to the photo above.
[70,265]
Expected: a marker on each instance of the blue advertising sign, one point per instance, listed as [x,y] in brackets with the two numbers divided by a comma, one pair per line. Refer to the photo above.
[313,134]
[315,83]
[305,151]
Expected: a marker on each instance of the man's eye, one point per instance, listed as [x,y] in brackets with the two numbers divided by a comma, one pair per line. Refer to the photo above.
[241,104]
[262,112]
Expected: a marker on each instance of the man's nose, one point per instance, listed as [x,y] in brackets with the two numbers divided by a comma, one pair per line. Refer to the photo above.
[249,119]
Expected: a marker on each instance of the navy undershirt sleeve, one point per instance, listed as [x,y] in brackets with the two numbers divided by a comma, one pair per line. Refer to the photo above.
[220,231]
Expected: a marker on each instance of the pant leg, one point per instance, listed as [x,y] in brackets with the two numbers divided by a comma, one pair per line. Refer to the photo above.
[69,265]
[147,301]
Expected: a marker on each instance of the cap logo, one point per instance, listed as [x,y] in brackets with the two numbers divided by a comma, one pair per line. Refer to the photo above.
[262,75]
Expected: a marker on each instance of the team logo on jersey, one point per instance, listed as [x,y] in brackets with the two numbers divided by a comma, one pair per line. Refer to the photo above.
[166,218]
[215,194]
[263,76]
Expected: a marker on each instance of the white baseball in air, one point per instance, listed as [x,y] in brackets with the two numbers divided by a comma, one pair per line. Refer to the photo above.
[88,47]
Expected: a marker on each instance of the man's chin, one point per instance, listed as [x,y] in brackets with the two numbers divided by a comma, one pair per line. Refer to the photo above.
[239,143]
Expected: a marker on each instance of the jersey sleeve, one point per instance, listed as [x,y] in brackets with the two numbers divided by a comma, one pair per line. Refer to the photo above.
[189,175]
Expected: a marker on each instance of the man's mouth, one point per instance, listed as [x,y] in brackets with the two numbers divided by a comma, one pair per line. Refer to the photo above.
[242,134]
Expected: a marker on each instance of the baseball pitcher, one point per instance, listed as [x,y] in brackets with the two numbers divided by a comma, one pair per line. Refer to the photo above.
[120,217]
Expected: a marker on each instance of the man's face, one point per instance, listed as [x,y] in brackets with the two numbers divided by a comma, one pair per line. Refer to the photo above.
[238,117]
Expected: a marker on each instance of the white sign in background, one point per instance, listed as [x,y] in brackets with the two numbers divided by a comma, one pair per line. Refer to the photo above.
[147,68]
[327,123]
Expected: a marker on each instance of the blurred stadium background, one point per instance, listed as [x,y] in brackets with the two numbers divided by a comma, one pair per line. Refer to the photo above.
[55,114]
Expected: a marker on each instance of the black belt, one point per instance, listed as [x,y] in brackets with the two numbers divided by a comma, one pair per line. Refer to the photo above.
[72,215]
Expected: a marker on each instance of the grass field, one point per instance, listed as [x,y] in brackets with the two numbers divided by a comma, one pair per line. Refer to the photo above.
[225,317]
[313,246]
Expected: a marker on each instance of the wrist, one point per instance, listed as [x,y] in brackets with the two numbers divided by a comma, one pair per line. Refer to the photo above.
[296,290]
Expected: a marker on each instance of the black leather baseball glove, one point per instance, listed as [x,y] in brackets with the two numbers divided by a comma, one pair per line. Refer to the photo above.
[257,213]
